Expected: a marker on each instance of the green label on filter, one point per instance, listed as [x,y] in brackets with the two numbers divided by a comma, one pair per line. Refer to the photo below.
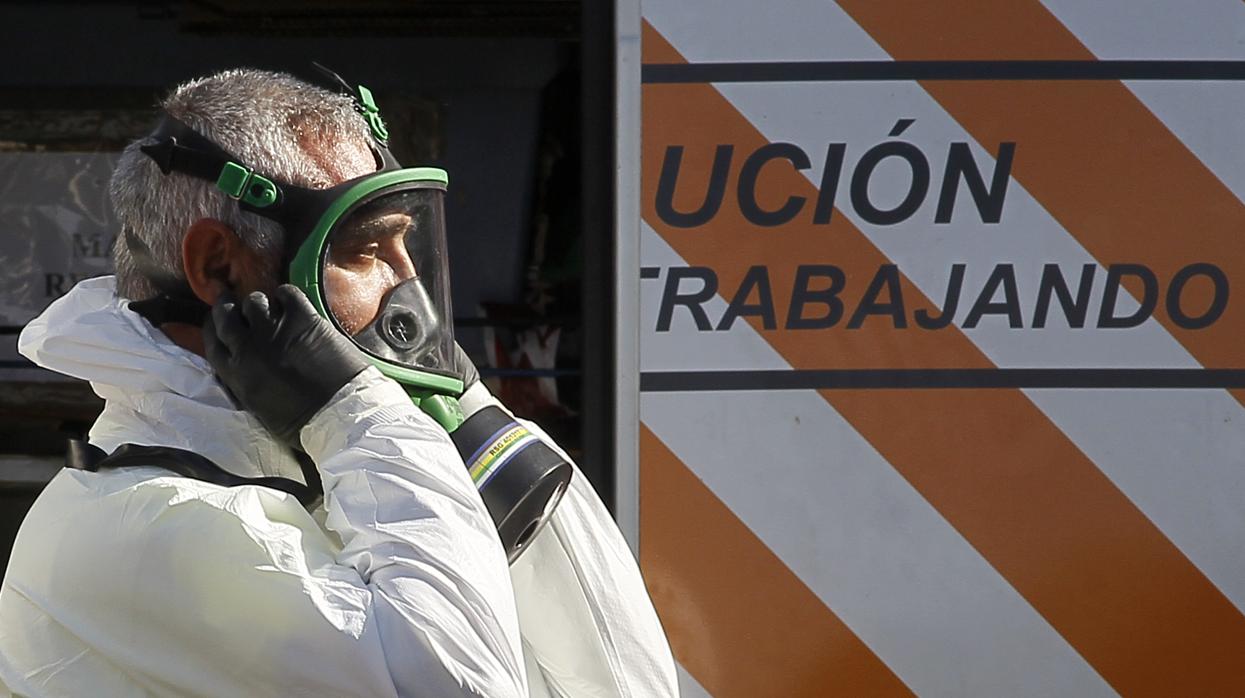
[507,442]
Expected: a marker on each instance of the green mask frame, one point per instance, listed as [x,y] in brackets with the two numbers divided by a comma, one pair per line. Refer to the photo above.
[428,389]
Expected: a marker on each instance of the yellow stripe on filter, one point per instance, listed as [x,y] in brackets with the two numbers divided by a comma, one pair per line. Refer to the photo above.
[503,447]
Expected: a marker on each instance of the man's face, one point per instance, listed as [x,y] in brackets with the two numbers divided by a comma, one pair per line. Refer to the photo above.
[365,260]
[367,257]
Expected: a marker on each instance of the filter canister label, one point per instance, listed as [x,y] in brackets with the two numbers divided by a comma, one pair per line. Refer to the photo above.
[497,451]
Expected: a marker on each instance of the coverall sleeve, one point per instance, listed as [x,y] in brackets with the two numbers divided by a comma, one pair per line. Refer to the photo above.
[157,585]
[588,623]
[414,528]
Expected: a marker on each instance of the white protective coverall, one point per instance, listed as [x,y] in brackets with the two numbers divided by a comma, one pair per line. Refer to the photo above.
[135,582]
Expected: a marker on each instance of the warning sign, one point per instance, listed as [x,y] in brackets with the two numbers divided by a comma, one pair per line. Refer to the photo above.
[940,347]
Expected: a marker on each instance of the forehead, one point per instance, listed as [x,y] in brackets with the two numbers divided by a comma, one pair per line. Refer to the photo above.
[372,225]
[339,156]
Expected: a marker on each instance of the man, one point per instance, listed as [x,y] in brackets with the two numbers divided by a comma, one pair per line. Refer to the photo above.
[136,581]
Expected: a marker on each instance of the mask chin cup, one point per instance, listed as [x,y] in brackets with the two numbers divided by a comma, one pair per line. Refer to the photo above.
[406,329]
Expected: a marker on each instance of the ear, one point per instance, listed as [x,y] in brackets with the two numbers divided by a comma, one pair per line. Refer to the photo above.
[212,257]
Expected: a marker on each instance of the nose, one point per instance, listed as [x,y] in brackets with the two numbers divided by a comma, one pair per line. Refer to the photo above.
[402,264]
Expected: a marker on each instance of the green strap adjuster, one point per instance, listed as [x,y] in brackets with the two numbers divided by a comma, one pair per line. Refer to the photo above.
[372,113]
[244,185]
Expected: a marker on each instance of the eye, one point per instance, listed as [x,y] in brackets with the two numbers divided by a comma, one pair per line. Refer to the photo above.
[355,257]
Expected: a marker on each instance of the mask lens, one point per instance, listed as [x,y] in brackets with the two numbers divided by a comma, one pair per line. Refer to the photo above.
[386,278]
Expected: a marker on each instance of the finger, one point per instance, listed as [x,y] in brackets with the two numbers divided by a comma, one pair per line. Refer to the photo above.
[214,349]
[299,312]
[229,325]
[293,298]
[258,312]
[219,358]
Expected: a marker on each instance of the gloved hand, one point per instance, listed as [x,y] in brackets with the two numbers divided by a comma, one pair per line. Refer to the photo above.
[277,356]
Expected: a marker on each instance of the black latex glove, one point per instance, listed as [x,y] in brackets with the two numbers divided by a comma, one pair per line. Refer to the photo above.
[277,356]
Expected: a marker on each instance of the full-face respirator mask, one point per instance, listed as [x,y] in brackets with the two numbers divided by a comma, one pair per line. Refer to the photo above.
[383,234]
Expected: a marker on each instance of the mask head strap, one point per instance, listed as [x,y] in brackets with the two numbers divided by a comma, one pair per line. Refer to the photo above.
[179,148]
[176,302]
[365,104]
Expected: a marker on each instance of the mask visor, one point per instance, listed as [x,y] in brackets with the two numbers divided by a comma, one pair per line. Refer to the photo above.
[385,279]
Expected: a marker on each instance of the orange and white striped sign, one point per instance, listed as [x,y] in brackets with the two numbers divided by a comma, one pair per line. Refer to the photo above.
[943,346]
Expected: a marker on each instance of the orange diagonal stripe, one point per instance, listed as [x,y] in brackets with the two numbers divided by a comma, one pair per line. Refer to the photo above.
[738,619]
[991,463]
[1097,159]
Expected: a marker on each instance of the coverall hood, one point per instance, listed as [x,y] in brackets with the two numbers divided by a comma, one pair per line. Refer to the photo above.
[91,334]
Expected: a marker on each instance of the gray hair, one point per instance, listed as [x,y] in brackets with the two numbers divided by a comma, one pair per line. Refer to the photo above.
[267,120]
